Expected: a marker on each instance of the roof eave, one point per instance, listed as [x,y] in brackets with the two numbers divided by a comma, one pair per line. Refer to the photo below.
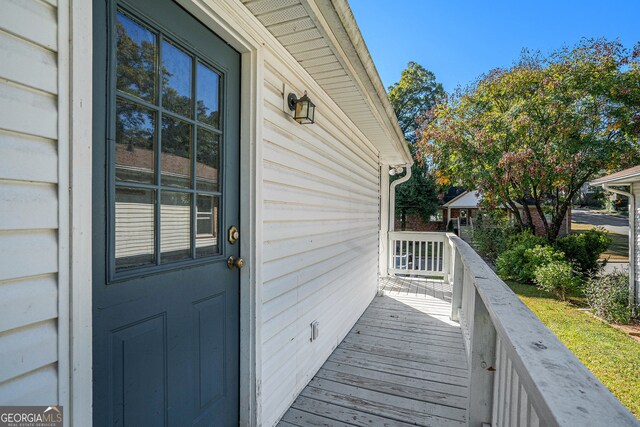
[340,22]
[621,180]
[455,199]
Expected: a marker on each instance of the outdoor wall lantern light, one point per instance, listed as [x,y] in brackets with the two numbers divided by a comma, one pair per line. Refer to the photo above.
[303,107]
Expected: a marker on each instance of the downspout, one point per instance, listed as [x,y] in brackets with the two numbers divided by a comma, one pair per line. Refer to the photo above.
[632,242]
[392,197]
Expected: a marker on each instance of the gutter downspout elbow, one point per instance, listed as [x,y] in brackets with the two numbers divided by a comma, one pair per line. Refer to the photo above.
[632,243]
[392,196]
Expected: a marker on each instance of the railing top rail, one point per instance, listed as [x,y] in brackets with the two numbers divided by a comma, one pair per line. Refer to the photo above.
[566,392]
[417,234]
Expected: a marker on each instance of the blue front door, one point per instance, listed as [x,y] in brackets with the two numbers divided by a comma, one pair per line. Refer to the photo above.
[166,185]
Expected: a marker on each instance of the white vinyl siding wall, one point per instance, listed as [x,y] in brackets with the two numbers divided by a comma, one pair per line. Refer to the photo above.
[320,187]
[28,202]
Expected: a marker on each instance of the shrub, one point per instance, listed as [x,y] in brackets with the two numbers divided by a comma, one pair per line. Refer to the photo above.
[584,249]
[556,277]
[526,238]
[608,296]
[542,255]
[490,234]
[514,263]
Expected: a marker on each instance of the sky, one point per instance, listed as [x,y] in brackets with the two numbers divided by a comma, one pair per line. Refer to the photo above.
[461,39]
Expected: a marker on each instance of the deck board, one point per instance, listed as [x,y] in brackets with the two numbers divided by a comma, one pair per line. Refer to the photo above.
[403,363]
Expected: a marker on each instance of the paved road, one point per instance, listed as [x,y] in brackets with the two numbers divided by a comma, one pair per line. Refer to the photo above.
[613,266]
[614,223]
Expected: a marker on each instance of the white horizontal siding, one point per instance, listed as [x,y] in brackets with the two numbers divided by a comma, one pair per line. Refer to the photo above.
[28,64]
[320,213]
[28,202]
[28,348]
[27,253]
[27,301]
[283,381]
[31,20]
[28,111]
[134,229]
[28,158]
[33,388]
[175,228]
[27,205]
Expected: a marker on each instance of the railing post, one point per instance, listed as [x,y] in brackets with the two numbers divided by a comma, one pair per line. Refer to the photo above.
[457,270]
[446,259]
[391,252]
[481,363]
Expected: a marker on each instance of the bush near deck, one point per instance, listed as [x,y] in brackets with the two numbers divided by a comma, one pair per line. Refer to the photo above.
[525,252]
[608,296]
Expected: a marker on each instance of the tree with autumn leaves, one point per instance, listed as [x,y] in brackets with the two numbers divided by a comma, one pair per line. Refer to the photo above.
[530,136]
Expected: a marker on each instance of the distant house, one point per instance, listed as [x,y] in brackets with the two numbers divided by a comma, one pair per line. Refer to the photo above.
[149,150]
[436,222]
[467,206]
[627,183]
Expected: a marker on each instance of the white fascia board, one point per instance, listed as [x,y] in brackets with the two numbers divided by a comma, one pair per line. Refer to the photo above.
[335,20]
[623,180]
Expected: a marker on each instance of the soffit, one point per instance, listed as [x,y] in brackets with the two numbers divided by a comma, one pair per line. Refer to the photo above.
[324,39]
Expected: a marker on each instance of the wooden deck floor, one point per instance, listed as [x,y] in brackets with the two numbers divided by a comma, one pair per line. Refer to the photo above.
[402,364]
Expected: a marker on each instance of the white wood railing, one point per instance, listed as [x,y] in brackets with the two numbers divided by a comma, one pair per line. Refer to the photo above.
[520,374]
[416,253]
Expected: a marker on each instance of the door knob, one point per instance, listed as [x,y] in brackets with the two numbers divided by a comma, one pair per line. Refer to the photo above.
[235,262]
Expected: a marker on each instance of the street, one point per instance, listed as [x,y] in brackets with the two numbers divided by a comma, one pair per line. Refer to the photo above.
[613,223]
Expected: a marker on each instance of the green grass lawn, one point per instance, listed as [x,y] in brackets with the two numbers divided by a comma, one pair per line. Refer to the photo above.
[612,356]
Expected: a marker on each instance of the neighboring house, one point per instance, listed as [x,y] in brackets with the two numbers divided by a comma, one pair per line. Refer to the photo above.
[415,222]
[468,205]
[464,206]
[147,153]
[629,181]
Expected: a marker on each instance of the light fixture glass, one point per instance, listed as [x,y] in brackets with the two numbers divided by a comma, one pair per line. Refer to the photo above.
[304,109]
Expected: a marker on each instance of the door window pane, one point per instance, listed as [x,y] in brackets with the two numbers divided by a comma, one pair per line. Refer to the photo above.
[176,79]
[135,129]
[135,240]
[168,146]
[207,166]
[136,58]
[208,92]
[176,153]
[175,226]
[207,209]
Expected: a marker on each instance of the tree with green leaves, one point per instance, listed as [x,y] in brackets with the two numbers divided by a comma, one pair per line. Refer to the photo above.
[533,134]
[415,93]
